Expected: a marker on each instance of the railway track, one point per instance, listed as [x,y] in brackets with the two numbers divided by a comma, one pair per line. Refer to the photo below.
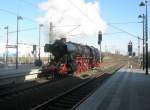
[8,92]
[70,99]
[30,98]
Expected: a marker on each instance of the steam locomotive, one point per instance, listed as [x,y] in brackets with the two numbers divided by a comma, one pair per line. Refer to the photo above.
[70,57]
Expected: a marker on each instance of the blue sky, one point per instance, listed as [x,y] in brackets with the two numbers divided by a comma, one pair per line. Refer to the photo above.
[112,11]
[121,11]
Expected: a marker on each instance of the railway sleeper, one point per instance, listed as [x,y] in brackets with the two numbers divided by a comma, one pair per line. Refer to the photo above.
[54,108]
[67,102]
[70,99]
[63,105]
[80,93]
[76,95]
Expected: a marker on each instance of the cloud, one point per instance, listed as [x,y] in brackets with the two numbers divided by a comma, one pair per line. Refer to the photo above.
[85,16]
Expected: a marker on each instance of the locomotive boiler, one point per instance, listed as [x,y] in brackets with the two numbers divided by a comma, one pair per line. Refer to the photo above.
[70,57]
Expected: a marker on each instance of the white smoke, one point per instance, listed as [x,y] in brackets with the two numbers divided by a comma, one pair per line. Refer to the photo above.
[84,15]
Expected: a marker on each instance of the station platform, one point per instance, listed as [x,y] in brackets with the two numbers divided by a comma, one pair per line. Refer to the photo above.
[24,68]
[128,89]
[10,75]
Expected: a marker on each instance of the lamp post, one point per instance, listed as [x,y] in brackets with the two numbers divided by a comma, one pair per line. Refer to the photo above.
[143,23]
[40,25]
[146,33]
[6,46]
[18,18]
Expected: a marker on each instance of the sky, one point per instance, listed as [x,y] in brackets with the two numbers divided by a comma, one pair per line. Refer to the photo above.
[77,20]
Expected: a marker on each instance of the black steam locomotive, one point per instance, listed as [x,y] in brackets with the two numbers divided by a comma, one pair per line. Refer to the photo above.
[70,57]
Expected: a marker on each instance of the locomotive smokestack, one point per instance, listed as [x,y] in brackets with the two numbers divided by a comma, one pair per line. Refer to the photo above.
[63,40]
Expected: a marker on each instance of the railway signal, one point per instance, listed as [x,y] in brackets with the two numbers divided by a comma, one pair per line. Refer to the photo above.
[99,42]
[130,48]
[34,47]
[99,37]
[34,52]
